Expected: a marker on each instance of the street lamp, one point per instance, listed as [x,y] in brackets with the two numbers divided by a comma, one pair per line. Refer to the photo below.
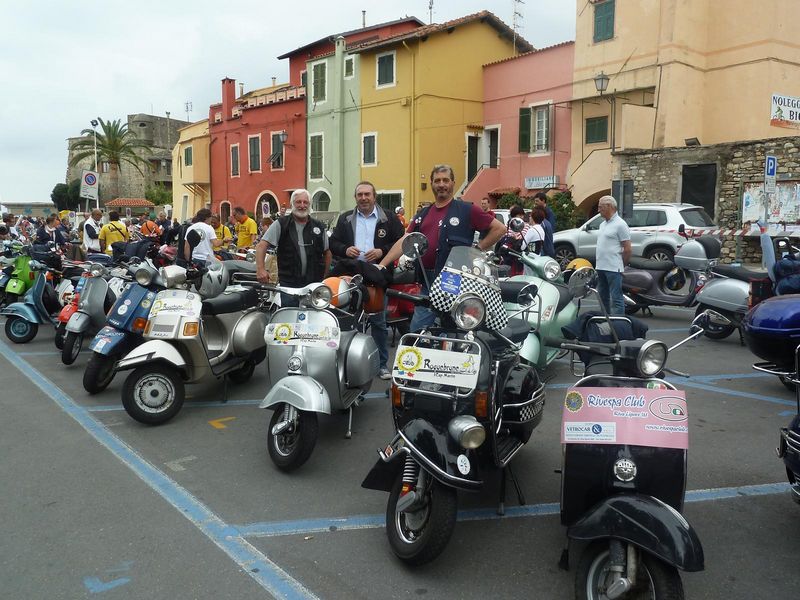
[601,82]
[283,136]
[94,128]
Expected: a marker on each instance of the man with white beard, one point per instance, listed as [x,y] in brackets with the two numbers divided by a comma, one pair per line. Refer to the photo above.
[301,241]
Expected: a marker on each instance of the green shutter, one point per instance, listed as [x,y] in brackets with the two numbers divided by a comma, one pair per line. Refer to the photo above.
[386,69]
[525,130]
[604,21]
[596,130]
[369,150]
[255,154]
[234,160]
[319,82]
[315,157]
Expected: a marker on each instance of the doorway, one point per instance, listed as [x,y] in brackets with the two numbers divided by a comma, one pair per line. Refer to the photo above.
[472,157]
[699,186]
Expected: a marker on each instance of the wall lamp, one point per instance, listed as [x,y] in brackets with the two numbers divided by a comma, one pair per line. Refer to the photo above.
[693,141]
[601,82]
[283,137]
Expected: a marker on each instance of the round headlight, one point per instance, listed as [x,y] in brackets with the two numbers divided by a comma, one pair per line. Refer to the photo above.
[466,430]
[625,469]
[172,275]
[551,270]
[321,297]
[652,358]
[468,311]
[96,269]
[144,277]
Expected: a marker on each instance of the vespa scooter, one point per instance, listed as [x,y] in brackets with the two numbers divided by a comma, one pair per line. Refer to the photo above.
[318,362]
[623,477]
[196,329]
[462,403]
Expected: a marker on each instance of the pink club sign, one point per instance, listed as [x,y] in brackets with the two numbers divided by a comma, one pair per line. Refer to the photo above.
[635,416]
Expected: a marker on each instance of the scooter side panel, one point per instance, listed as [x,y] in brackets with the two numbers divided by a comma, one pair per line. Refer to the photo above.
[24,310]
[301,391]
[725,294]
[647,523]
[150,351]
[15,286]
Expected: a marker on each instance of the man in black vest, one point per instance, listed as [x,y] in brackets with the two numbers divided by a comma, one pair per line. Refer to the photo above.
[367,233]
[300,242]
[447,223]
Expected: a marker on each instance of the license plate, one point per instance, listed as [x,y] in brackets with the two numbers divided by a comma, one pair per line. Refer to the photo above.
[450,283]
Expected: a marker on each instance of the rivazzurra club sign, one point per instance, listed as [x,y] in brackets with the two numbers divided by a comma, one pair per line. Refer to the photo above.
[785,111]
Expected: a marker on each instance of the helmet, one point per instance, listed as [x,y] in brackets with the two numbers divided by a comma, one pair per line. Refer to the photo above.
[340,289]
[578,263]
[675,279]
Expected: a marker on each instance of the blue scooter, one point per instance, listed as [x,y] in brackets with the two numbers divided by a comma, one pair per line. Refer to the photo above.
[124,326]
[40,305]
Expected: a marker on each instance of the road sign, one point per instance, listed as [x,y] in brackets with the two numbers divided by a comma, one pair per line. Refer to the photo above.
[90,184]
[770,174]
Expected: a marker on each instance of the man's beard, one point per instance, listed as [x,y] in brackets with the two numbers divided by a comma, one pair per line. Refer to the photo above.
[300,212]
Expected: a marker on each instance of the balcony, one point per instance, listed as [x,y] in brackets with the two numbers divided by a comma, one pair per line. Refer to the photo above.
[591,177]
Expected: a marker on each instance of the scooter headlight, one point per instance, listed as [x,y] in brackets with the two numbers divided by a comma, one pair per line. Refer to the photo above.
[172,275]
[144,277]
[320,297]
[466,430]
[652,358]
[96,269]
[625,470]
[551,270]
[468,311]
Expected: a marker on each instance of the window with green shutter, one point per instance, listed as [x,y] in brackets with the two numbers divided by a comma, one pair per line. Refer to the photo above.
[604,21]
[386,69]
[525,130]
[369,150]
[315,157]
[348,67]
[304,78]
[235,160]
[254,146]
[187,156]
[389,201]
[596,130]
[318,82]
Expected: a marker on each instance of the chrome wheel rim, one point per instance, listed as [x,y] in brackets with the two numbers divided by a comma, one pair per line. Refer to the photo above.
[154,393]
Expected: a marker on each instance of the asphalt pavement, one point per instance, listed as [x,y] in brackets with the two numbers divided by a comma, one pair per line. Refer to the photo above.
[95,505]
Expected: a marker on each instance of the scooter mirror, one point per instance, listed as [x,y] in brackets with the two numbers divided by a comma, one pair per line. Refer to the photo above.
[516,224]
[581,282]
[356,280]
[415,244]
[527,295]
[707,317]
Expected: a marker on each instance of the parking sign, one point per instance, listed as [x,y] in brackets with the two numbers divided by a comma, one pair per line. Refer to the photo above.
[770,174]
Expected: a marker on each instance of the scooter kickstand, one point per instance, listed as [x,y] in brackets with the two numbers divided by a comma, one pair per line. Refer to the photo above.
[349,433]
[517,487]
[501,508]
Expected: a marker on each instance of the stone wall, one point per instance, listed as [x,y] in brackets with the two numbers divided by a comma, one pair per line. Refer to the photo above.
[657,174]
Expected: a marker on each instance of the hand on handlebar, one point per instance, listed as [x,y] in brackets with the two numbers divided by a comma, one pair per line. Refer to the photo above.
[262,276]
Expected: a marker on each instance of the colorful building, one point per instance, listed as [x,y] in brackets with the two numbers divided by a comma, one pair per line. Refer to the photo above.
[422,100]
[524,143]
[191,171]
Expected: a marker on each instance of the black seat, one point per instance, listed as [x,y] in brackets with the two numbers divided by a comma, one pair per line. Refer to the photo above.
[509,290]
[404,277]
[651,265]
[740,273]
[564,297]
[516,330]
[229,302]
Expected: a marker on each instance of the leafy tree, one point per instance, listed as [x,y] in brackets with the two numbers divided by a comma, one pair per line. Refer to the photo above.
[60,196]
[509,200]
[567,214]
[74,191]
[158,194]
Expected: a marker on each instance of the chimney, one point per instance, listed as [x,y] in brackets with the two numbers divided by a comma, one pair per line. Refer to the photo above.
[274,81]
[363,19]
[241,89]
[228,97]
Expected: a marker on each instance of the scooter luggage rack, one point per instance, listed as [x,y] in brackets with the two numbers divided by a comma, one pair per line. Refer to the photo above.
[574,361]
[451,392]
[788,375]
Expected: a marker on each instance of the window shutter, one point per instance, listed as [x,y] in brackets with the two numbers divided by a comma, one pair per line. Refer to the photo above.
[369,150]
[525,130]
[386,69]
[604,21]
[319,82]
[315,157]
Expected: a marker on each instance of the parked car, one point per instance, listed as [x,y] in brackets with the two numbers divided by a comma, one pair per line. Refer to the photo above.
[654,230]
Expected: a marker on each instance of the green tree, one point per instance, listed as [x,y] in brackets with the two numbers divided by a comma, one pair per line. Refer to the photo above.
[158,194]
[509,200]
[116,145]
[74,191]
[567,214]
[60,196]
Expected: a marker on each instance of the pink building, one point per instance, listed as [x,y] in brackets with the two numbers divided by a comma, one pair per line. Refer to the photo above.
[525,143]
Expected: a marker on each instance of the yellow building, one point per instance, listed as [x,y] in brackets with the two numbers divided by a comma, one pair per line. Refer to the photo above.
[191,172]
[421,93]
[679,73]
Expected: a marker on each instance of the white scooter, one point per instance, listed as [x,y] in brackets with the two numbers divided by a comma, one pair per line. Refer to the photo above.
[317,363]
[196,329]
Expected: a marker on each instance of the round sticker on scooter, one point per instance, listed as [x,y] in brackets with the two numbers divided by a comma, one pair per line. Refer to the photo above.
[463,464]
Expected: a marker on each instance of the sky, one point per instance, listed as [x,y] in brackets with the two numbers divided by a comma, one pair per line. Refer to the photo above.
[65,62]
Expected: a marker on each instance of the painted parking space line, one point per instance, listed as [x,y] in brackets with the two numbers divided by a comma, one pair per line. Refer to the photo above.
[257,565]
[721,390]
[357,522]
[40,353]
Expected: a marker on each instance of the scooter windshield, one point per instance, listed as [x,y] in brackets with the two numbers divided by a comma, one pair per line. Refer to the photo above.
[471,260]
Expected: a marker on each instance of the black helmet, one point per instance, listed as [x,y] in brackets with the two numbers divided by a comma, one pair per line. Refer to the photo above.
[675,279]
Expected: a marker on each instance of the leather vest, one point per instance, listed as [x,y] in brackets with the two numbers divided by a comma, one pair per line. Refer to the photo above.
[289,252]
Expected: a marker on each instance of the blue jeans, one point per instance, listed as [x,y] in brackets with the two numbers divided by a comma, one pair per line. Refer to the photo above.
[609,284]
[423,317]
[287,300]
[380,333]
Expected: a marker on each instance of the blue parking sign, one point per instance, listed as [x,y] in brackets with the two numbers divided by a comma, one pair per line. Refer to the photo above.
[771,166]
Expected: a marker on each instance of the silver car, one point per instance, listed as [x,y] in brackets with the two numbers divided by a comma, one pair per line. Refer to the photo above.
[654,232]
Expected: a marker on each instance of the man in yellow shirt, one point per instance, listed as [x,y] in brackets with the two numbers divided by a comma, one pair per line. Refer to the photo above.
[222,231]
[112,232]
[246,229]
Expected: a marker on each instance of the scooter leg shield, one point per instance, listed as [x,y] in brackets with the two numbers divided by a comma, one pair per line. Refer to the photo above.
[301,391]
[647,523]
[79,322]
[24,310]
[153,350]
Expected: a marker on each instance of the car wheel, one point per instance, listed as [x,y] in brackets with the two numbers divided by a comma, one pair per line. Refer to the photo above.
[660,253]
[564,254]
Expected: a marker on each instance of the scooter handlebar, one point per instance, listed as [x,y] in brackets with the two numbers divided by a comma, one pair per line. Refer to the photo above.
[414,299]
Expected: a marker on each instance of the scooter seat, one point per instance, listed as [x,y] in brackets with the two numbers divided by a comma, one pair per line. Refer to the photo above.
[564,297]
[229,302]
[516,330]
[651,265]
[509,290]
[740,273]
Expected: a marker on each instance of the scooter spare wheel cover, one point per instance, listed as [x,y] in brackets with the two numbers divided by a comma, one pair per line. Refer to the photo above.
[154,393]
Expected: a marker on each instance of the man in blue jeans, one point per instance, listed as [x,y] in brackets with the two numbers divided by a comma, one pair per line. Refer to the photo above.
[613,253]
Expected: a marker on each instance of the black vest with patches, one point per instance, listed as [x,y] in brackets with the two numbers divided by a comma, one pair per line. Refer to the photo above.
[289,252]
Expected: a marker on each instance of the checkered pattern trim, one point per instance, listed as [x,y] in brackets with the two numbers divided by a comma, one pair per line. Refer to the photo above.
[496,315]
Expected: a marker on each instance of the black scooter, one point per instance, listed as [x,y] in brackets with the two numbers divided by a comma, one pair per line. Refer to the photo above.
[625,444]
[462,402]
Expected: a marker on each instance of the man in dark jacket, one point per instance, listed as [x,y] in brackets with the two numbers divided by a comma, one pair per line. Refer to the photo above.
[367,233]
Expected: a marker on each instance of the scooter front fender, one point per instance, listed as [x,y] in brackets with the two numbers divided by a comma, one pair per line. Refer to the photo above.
[79,322]
[647,523]
[153,351]
[109,341]
[301,391]
[23,310]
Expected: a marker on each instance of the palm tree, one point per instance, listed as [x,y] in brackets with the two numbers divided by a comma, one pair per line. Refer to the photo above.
[116,144]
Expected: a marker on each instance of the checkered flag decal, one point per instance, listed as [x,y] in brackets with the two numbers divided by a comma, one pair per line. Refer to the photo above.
[496,316]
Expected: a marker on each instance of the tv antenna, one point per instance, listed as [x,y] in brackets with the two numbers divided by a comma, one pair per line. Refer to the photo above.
[188,106]
[516,21]
[430,11]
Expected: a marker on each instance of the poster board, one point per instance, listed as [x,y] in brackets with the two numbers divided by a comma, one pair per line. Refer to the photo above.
[782,206]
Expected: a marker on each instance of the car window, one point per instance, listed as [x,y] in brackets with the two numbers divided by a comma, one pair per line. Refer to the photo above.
[500,217]
[594,224]
[697,217]
[655,218]
[637,219]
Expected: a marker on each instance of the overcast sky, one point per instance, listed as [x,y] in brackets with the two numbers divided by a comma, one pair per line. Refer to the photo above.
[62,63]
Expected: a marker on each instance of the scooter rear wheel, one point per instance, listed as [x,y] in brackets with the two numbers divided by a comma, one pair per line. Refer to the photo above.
[655,579]
[153,394]
[291,449]
[99,372]
[72,347]
[20,331]
[417,537]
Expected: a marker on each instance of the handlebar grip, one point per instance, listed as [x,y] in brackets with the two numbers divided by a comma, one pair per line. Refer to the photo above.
[414,299]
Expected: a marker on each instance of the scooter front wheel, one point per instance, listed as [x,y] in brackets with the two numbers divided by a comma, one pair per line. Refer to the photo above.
[654,579]
[292,444]
[61,330]
[714,331]
[419,535]
[153,394]
[20,331]
[99,372]
[72,347]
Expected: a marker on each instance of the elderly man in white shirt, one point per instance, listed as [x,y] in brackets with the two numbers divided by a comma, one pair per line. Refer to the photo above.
[613,253]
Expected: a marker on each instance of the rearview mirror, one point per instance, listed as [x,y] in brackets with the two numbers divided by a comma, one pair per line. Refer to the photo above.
[581,282]
[415,244]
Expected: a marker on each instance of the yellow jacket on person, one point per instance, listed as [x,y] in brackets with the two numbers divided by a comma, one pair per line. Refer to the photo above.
[113,232]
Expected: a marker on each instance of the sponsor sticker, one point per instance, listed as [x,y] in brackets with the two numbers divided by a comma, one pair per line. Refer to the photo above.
[463,464]
[436,366]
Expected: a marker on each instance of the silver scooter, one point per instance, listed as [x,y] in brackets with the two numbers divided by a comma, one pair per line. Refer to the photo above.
[197,329]
[317,363]
[98,295]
